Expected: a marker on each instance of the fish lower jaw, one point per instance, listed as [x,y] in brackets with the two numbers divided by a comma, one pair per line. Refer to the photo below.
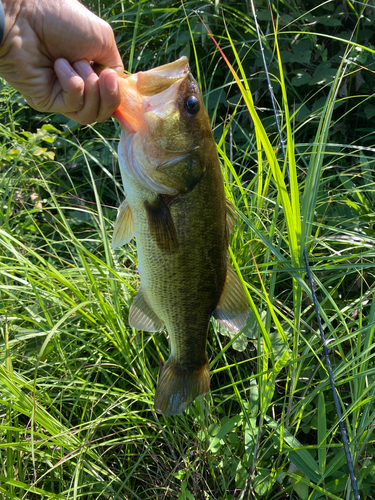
[179,386]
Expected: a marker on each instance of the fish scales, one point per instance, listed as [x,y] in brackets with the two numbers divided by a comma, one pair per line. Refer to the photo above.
[176,208]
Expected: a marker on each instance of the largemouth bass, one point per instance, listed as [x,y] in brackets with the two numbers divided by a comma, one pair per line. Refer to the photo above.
[176,208]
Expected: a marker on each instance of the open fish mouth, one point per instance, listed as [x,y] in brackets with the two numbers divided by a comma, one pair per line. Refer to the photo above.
[154,140]
[153,91]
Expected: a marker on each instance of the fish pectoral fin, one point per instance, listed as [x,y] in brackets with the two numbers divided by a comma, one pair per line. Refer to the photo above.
[142,316]
[123,231]
[178,387]
[161,225]
[233,309]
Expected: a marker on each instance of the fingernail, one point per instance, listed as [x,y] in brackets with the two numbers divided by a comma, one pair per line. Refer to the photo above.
[83,68]
[111,83]
[66,67]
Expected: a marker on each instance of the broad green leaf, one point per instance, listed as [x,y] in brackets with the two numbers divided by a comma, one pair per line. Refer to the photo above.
[225,428]
[263,481]
[300,457]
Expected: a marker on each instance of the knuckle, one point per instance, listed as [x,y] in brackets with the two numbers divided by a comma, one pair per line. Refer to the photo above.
[78,86]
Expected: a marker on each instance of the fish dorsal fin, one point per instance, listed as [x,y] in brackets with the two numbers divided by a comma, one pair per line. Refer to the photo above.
[142,316]
[230,218]
[162,228]
[233,310]
[123,231]
[231,215]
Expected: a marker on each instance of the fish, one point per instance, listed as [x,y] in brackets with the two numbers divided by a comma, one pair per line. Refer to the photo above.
[175,207]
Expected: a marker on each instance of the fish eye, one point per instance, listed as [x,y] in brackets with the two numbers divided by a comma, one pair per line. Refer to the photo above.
[191,105]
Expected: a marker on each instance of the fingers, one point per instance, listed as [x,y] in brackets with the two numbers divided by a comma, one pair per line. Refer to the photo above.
[89,109]
[109,94]
[85,97]
[71,95]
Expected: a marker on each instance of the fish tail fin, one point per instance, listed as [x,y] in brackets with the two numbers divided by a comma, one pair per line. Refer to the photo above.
[178,387]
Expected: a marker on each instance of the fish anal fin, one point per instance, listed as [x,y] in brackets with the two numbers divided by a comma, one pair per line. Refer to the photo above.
[162,228]
[123,231]
[179,386]
[233,310]
[142,316]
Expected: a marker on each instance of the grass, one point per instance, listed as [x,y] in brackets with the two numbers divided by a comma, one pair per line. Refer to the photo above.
[77,383]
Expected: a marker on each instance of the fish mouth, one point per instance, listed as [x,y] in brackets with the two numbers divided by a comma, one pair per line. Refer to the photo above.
[155,90]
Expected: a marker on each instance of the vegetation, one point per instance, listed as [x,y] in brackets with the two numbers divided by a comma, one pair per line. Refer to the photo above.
[77,383]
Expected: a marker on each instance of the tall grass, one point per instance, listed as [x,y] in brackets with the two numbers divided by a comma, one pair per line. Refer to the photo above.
[77,383]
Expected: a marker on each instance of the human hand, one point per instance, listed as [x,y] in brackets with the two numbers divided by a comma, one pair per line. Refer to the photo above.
[46,54]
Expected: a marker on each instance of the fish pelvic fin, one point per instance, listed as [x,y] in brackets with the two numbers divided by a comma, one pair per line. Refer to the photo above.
[123,231]
[179,386]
